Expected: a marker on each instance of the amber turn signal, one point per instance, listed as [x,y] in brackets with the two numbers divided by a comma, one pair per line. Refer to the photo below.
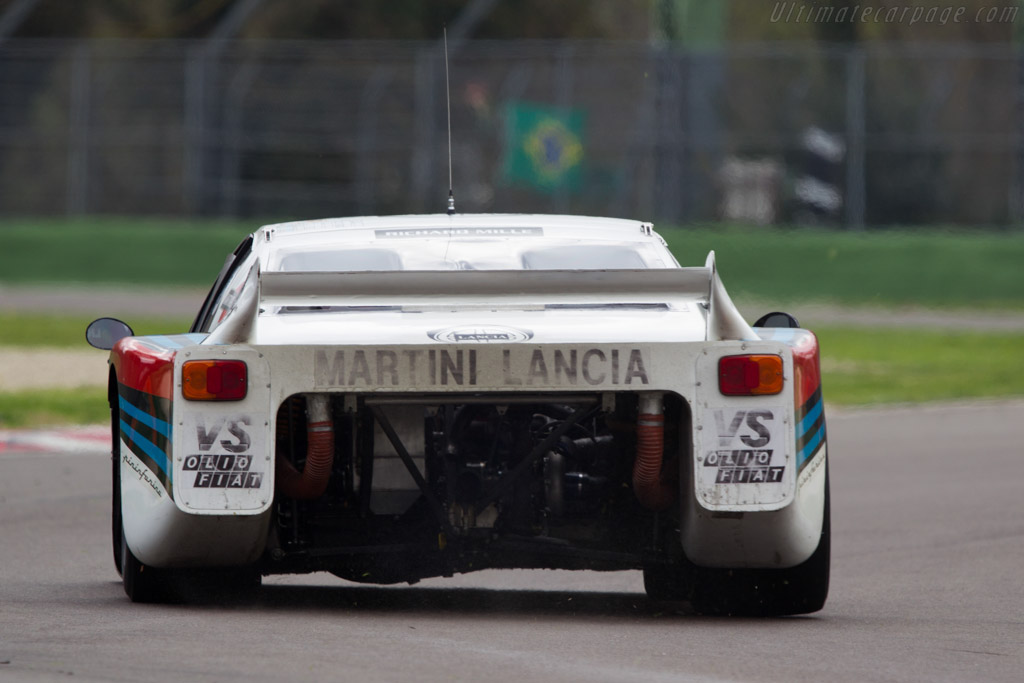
[750,375]
[214,380]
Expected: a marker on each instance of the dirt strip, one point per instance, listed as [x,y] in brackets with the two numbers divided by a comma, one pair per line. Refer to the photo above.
[23,369]
[111,300]
[813,315]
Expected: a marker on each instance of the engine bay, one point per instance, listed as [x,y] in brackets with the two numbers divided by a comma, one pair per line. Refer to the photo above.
[420,485]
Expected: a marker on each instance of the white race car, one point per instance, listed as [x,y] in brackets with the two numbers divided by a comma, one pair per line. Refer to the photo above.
[393,398]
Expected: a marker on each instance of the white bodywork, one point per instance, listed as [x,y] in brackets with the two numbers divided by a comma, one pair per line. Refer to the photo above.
[465,303]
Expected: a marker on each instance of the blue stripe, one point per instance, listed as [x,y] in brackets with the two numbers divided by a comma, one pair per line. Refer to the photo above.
[158,456]
[168,342]
[145,418]
[779,334]
[809,419]
[809,447]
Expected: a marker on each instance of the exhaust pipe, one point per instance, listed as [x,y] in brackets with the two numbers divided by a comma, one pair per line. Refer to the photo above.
[312,481]
[652,490]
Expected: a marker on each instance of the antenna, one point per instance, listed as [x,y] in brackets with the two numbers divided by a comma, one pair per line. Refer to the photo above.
[448,99]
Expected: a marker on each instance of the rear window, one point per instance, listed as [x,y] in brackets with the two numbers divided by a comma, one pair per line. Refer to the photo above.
[471,254]
[341,260]
[583,257]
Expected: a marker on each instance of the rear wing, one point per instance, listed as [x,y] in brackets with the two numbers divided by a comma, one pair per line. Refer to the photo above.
[487,287]
[475,289]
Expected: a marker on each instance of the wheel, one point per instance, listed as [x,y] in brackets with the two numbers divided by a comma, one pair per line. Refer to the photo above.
[115,486]
[146,584]
[220,585]
[667,582]
[747,592]
[767,592]
[141,582]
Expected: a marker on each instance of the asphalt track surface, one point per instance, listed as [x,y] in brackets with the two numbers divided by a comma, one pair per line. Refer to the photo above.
[928,552]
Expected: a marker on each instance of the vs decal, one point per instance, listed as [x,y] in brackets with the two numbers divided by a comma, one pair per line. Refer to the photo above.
[239,442]
[746,452]
[223,459]
[753,422]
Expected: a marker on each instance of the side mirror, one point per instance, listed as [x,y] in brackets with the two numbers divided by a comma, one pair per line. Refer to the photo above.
[105,332]
[776,319]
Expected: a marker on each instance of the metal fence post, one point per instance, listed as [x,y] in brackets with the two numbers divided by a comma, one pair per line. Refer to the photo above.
[1016,188]
[231,156]
[423,159]
[78,131]
[668,148]
[563,83]
[195,129]
[366,140]
[855,132]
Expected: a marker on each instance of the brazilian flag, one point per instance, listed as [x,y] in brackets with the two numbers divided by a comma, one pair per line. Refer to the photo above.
[543,146]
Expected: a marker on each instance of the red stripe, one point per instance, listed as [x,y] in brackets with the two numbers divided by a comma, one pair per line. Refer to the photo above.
[144,366]
[806,367]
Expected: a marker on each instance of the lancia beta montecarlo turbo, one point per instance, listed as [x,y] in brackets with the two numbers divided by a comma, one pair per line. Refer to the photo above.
[394,398]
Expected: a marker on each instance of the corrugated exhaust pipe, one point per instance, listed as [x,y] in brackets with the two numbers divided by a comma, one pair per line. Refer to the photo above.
[312,481]
[652,490]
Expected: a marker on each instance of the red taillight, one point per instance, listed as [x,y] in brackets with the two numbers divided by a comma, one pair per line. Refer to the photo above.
[214,380]
[750,375]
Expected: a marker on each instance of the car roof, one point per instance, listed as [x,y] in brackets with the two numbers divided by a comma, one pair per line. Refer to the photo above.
[365,228]
[461,241]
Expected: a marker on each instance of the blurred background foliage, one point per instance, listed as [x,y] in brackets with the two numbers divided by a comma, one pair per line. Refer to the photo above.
[334,20]
[696,110]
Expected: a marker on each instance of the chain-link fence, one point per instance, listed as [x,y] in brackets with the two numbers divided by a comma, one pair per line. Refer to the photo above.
[874,134]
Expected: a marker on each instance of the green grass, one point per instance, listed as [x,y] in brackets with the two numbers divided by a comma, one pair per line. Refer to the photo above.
[868,366]
[117,250]
[46,407]
[39,330]
[932,268]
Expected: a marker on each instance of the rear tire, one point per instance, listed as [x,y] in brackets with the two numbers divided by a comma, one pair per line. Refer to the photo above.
[768,592]
[221,585]
[748,592]
[143,583]
[667,582]
[146,584]
[116,531]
